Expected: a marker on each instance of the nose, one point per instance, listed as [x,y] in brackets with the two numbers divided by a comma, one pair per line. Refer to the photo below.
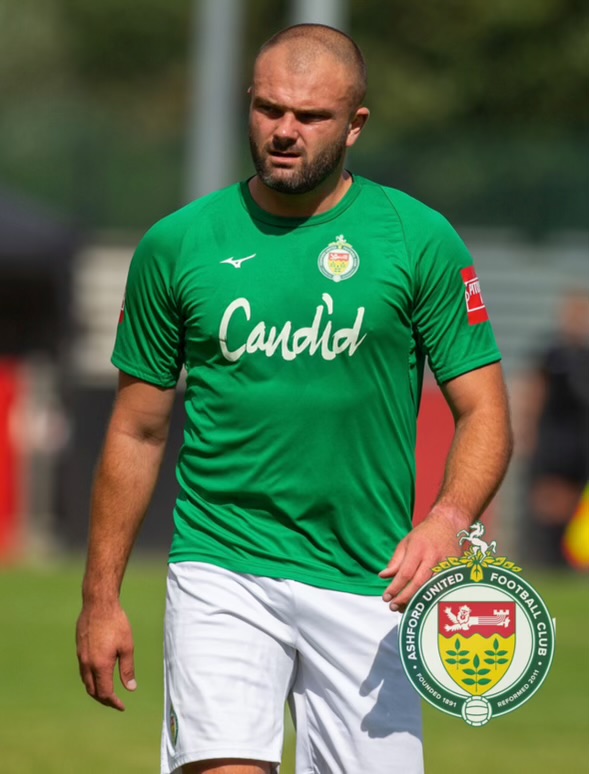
[286,130]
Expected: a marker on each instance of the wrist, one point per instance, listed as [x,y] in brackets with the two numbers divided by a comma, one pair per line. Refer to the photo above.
[455,516]
[94,597]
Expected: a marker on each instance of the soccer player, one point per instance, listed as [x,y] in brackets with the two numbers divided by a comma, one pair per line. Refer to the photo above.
[303,304]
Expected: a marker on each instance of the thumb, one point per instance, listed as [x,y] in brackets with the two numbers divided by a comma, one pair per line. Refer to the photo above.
[127,671]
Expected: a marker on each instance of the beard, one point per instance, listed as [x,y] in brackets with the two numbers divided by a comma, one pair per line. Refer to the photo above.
[310,174]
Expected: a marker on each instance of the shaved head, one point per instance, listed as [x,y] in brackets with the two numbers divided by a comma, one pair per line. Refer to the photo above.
[303,44]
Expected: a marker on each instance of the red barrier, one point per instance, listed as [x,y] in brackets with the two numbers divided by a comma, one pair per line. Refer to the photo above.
[11,390]
[435,430]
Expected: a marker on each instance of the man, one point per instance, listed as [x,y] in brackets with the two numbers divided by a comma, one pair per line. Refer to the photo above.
[555,433]
[302,304]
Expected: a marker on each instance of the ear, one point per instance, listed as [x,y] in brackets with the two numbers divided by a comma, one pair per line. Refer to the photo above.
[356,125]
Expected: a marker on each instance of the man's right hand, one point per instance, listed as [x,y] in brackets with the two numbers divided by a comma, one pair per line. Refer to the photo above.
[103,637]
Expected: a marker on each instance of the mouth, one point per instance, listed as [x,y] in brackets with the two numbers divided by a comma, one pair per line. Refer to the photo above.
[276,154]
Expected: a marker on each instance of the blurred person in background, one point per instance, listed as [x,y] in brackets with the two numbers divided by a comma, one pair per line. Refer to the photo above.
[302,303]
[555,433]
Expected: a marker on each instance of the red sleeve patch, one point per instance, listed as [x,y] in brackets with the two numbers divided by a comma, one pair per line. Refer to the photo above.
[122,312]
[475,306]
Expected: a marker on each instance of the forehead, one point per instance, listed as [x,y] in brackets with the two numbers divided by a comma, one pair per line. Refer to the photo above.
[300,80]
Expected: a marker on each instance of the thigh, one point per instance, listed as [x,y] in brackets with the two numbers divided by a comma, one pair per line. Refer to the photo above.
[354,707]
[228,665]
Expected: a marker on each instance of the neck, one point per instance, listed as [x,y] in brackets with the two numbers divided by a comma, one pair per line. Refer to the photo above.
[322,199]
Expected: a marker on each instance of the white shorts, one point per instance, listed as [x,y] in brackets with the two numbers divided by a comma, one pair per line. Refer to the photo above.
[238,646]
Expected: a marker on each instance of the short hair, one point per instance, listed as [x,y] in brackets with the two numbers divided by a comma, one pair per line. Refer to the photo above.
[311,37]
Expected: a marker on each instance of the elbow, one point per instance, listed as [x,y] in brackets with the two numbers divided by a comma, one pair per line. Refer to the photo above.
[142,433]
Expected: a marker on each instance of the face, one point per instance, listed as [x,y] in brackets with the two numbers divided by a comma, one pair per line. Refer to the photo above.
[300,122]
[575,316]
[289,168]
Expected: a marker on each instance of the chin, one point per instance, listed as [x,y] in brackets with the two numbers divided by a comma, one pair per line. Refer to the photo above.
[278,181]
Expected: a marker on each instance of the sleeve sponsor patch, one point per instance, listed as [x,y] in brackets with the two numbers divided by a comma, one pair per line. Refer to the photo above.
[122,312]
[475,306]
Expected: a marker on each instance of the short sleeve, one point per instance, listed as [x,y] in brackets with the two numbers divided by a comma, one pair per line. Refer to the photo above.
[449,315]
[149,340]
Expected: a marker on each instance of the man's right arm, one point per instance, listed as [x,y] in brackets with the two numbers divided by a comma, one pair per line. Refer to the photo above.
[127,474]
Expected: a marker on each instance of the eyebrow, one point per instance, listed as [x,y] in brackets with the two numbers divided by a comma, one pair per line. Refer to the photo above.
[261,102]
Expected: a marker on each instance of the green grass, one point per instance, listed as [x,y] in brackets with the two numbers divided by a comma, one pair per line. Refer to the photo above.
[48,724]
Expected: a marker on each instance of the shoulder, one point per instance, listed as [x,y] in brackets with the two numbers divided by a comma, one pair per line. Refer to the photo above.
[171,230]
[407,209]
[430,239]
[162,247]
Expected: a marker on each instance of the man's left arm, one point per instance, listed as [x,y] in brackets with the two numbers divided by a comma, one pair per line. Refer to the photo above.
[475,467]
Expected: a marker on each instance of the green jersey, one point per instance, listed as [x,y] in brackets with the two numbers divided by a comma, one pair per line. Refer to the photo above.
[304,342]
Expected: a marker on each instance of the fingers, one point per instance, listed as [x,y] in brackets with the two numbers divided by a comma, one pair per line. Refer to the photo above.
[98,680]
[87,677]
[407,583]
[99,683]
[104,688]
[401,568]
[400,591]
[393,566]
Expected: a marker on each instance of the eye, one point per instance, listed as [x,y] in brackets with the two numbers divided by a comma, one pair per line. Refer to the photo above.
[312,118]
[269,110]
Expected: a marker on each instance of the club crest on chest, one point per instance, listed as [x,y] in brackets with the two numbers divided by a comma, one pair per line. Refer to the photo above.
[338,261]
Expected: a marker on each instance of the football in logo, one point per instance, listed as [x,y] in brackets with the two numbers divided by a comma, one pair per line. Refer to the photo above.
[339,260]
[477,640]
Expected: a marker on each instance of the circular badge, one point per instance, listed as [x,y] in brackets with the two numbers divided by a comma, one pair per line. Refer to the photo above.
[477,649]
[339,261]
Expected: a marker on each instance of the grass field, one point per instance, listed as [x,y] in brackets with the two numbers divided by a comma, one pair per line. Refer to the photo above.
[49,725]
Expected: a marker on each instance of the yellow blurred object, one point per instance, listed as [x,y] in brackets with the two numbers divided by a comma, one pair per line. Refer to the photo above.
[575,542]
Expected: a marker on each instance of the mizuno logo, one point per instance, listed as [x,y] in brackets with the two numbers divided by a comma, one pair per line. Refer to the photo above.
[238,261]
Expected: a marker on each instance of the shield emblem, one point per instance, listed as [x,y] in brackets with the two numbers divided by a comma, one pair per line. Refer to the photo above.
[338,261]
[476,642]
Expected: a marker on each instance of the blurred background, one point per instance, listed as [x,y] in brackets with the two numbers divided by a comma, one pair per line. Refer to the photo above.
[113,114]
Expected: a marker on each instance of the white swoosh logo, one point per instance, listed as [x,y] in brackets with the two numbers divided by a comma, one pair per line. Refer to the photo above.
[238,261]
